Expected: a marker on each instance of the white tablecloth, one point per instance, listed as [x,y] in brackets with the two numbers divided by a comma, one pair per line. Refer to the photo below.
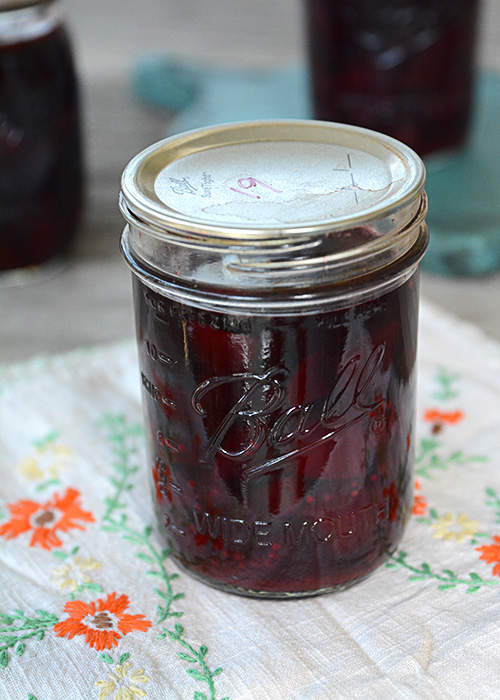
[91,606]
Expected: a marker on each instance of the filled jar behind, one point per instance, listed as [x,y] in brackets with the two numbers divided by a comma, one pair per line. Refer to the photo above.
[276,292]
[40,139]
[402,67]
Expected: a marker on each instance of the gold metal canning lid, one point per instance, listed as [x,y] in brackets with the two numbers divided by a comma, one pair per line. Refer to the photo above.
[254,181]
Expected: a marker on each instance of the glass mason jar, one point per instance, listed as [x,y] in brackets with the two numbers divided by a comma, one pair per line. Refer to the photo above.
[402,67]
[275,272]
[40,142]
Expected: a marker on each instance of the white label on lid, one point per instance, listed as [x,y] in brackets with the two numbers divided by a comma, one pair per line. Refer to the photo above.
[277,183]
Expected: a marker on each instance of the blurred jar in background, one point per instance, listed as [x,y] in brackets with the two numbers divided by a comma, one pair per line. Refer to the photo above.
[402,67]
[40,140]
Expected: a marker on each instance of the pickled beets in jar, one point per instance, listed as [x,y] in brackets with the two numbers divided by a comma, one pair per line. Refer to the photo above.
[402,67]
[275,272]
[40,140]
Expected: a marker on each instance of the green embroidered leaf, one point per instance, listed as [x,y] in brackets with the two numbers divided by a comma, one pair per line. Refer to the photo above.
[106,658]
[124,657]
[20,648]
[4,659]
[60,555]
[145,557]
[179,628]
[450,573]
[203,651]
[148,530]
[160,593]
[217,672]
[46,484]
[198,695]
[178,596]
[446,586]
[133,538]
[416,577]
[91,587]
[186,657]
[475,577]
[473,589]
[194,673]
[31,697]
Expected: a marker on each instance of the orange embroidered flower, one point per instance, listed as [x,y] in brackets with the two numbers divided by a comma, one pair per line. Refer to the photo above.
[419,504]
[451,417]
[59,514]
[103,622]
[419,501]
[491,554]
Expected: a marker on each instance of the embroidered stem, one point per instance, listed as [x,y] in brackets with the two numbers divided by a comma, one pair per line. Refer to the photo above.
[154,558]
[445,381]
[494,502]
[427,459]
[449,578]
[16,628]
[193,656]
[119,432]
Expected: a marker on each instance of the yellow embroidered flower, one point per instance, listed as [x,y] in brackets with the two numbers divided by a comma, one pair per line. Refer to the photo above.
[72,574]
[449,528]
[123,685]
[45,462]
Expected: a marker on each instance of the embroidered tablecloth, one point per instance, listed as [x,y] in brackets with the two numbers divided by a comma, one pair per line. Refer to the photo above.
[92,607]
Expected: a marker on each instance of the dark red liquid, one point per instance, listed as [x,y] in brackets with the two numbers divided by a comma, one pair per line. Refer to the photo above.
[401,67]
[280,447]
[40,150]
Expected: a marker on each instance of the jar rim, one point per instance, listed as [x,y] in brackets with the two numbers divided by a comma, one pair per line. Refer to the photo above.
[396,172]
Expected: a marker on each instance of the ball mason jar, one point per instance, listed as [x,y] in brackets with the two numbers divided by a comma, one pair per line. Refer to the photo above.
[41,178]
[402,67]
[275,273]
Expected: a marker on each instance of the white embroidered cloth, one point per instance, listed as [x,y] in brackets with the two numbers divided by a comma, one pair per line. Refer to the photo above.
[91,607]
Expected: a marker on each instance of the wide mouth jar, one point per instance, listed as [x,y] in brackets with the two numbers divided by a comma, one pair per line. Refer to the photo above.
[275,269]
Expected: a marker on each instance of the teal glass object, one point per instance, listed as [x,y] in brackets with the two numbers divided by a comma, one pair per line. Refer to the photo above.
[464,195]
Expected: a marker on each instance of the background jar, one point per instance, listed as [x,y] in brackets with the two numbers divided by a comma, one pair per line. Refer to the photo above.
[275,271]
[402,67]
[40,139]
